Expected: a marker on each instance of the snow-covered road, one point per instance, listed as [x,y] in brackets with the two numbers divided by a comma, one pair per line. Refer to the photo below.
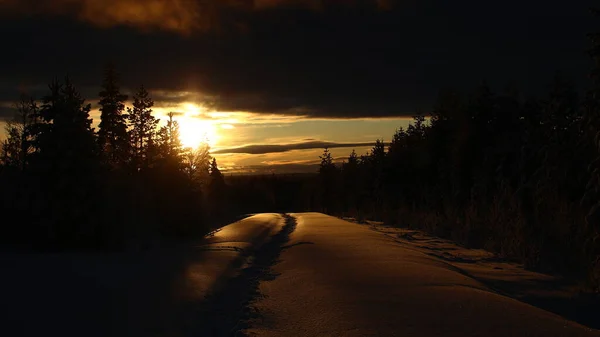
[304,274]
[337,278]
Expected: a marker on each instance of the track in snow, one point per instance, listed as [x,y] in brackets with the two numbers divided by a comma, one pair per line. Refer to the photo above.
[227,312]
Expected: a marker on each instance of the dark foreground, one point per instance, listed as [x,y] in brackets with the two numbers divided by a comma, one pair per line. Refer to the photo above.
[302,274]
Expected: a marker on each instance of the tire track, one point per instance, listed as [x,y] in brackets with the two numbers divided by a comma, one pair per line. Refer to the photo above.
[228,311]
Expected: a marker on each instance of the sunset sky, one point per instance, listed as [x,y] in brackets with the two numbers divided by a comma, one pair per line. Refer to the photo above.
[270,81]
[259,143]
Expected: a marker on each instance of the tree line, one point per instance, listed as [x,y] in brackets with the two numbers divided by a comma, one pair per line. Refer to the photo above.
[517,176]
[66,185]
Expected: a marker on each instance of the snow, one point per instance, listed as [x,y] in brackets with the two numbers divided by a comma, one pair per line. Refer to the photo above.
[337,278]
[551,293]
[123,294]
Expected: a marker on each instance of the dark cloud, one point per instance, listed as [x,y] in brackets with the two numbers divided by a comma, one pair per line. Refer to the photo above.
[282,168]
[277,148]
[291,168]
[321,58]
[179,16]
[6,112]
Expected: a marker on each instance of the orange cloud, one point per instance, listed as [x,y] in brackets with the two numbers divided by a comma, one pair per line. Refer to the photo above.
[174,15]
[182,16]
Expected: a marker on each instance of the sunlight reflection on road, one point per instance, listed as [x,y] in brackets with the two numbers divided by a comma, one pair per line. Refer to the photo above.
[220,251]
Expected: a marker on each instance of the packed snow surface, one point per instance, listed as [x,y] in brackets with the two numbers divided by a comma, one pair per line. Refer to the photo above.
[337,278]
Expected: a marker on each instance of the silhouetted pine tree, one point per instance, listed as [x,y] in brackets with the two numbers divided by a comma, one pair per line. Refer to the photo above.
[169,143]
[113,138]
[142,129]
[327,175]
[351,184]
[17,147]
[216,191]
[20,188]
[395,173]
[66,166]
[326,167]
[217,181]
[443,137]
[67,143]
[375,168]
[11,146]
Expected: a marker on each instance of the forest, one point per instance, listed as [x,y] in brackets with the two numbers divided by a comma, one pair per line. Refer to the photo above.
[68,186]
[515,175]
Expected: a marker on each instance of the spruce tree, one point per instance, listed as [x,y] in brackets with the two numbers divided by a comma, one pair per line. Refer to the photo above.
[169,139]
[66,164]
[142,129]
[377,163]
[398,144]
[112,134]
[216,190]
[216,177]
[327,175]
[17,147]
[67,142]
[350,176]
[10,151]
[327,165]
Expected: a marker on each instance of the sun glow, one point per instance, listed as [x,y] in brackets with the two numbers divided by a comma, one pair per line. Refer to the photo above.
[194,129]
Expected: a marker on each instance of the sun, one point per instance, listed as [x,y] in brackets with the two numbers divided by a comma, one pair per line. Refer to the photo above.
[194,130]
